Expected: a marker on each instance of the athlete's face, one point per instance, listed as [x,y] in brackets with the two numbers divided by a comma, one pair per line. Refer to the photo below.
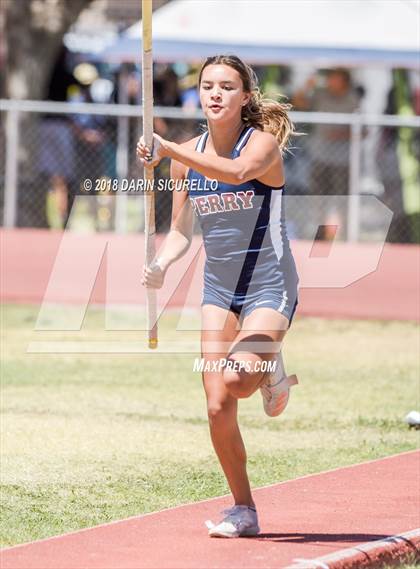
[221,93]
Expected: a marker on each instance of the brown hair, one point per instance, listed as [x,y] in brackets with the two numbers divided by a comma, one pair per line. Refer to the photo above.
[261,113]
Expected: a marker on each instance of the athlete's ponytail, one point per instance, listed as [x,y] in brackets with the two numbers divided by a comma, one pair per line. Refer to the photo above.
[270,116]
[260,112]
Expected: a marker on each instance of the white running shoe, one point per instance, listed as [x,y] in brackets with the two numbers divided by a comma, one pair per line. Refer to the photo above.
[239,521]
[275,389]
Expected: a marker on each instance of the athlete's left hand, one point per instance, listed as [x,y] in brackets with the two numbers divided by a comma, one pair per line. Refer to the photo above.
[144,154]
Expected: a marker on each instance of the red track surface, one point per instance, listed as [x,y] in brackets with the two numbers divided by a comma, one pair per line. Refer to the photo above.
[32,270]
[306,518]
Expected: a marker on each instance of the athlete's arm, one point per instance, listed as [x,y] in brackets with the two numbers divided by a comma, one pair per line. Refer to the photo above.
[179,237]
[180,234]
[257,157]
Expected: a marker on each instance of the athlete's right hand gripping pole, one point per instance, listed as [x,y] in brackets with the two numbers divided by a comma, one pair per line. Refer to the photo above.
[149,194]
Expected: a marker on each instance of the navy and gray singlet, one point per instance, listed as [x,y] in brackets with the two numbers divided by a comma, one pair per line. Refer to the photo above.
[249,263]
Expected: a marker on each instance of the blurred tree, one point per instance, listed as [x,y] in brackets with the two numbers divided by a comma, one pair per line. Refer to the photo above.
[34,31]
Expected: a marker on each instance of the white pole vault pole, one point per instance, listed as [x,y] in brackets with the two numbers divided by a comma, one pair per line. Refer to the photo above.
[149,194]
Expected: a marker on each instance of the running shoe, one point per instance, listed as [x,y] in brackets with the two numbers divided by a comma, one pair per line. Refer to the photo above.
[275,389]
[238,521]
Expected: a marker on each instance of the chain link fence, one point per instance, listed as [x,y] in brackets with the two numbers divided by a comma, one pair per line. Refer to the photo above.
[48,152]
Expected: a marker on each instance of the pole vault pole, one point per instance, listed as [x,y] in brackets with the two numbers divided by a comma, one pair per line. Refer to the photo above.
[149,194]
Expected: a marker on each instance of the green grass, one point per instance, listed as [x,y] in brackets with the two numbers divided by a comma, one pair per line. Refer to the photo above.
[404,566]
[411,564]
[90,438]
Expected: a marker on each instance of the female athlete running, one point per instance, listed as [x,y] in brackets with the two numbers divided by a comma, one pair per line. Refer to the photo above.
[250,278]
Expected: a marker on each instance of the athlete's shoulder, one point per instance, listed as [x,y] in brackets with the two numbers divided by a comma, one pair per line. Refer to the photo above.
[192,143]
[262,141]
[263,136]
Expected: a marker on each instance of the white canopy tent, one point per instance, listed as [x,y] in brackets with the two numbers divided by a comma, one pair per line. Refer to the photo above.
[323,32]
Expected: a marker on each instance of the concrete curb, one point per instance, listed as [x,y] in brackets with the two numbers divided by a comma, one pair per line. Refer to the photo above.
[372,555]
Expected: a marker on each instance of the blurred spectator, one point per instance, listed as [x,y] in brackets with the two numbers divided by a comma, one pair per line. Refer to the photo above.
[102,91]
[95,157]
[56,150]
[90,139]
[329,144]
[189,90]
[166,89]
[275,81]
[166,93]
[389,173]
[134,94]
[128,92]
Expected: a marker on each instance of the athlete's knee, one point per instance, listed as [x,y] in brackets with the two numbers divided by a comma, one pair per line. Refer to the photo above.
[220,412]
[214,409]
[240,384]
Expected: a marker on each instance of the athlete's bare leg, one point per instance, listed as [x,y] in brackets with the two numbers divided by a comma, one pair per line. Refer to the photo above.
[219,330]
[260,339]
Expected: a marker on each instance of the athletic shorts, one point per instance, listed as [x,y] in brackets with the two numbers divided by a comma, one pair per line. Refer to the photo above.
[282,300]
